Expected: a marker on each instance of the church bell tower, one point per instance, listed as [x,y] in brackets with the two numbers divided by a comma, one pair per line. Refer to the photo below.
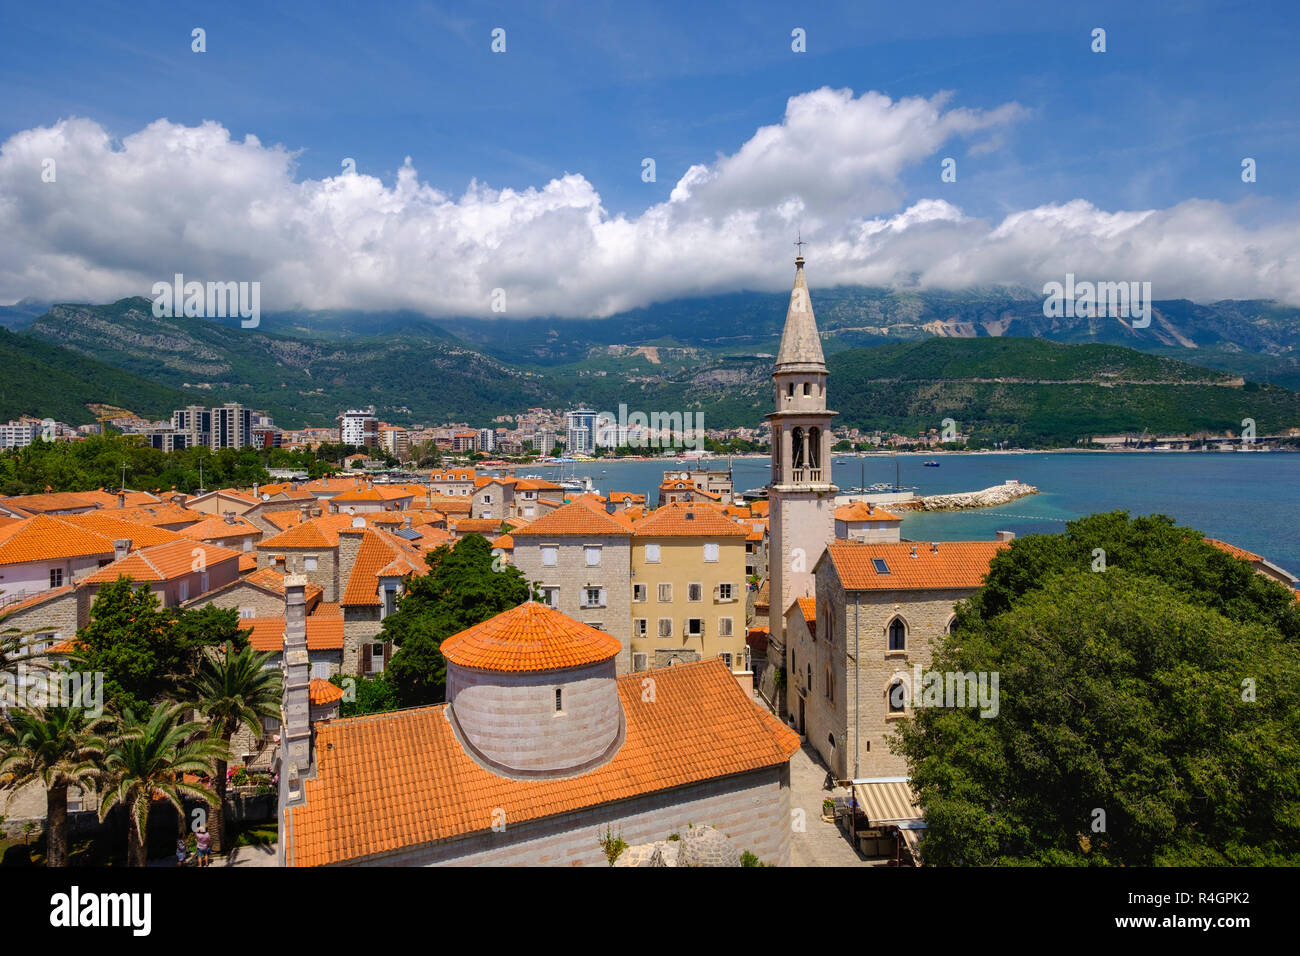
[801,495]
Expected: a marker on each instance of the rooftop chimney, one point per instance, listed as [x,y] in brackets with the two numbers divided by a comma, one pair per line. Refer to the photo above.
[230,517]
[934,547]
[295,757]
[913,554]
[121,548]
[121,499]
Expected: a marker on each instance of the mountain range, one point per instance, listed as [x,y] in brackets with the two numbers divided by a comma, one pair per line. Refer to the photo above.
[899,360]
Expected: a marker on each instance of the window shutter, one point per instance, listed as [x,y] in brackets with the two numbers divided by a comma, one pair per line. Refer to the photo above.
[388,651]
[365,658]
[603,602]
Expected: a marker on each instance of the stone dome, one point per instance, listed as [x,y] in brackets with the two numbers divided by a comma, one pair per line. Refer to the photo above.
[533,693]
[705,846]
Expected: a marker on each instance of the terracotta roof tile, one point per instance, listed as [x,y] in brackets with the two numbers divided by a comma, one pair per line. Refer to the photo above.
[528,638]
[677,520]
[575,518]
[808,607]
[46,537]
[162,562]
[861,511]
[957,564]
[107,523]
[218,528]
[247,562]
[406,768]
[34,600]
[379,555]
[321,692]
[1233,550]
[324,633]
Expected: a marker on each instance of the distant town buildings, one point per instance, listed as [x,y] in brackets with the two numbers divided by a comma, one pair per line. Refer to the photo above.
[359,427]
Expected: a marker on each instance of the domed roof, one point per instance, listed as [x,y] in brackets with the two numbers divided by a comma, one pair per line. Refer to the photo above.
[529,638]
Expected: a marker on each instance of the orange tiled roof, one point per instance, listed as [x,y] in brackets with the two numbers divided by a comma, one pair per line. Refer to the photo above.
[958,564]
[758,509]
[328,609]
[630,497]
[1233,550]
[162,562]
[247,562]
[431,537]
[531,637]
[270,579]
[808,607]
[217,527]
[861,511]
[324,633]
[476,525]
[158,514]
[107,523]
[50,501]
[452,474]
[321,692]
[679,519]
[450,504]
[406,768]
[575,518]
[322,532]
[505,543]
[536,484]
[108,499]
[46,537]
[379,555]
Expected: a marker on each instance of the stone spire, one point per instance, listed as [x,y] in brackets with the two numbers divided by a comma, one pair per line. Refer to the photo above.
[800,344]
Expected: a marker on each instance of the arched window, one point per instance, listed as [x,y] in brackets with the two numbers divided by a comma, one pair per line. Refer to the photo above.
[810,686]
[796,444]
[897,697]
[814,447]
[830,685]
[947,628]
[807,388]
[897,635]
[790,390]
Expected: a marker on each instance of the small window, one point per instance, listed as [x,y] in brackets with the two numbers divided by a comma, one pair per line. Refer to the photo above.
[880,565]
[183,591]
[830,686]
[897,635]
[551,597]
[726,657]
[695,592]
[638,592]
[695,627]
[310,563]
[724,592]
[652,553]
[550,554]
[593,557]
[640,626]
[56,577]
[665,593]
[665,627]
[724,627]
[897,697]
[593,597]
[248,544]
[789,390]
[711,552]
[248,612]
[807,388]
[559,700]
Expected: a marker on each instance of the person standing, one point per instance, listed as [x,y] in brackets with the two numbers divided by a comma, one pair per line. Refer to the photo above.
[204,840]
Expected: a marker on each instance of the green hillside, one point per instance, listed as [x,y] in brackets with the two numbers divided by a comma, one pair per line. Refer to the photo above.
[52,382]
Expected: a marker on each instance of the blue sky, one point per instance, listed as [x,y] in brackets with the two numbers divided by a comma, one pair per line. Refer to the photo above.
[1165,116]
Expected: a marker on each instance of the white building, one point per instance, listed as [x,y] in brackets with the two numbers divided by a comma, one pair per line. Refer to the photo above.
[359,427]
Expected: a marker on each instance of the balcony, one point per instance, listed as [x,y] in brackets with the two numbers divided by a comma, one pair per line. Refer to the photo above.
[802,476]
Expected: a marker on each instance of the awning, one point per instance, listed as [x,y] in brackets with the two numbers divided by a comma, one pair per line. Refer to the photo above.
[888,801]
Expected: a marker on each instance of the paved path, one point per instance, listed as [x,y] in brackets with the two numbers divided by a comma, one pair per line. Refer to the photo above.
[821,844]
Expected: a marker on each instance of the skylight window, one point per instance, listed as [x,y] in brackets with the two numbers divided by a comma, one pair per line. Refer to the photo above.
[880,565]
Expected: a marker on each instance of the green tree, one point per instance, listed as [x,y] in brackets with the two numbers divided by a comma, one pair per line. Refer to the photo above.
[143,651]
[465,586]
[233,688]
[150,759]
[1147,712]
[372,695]
[58,747]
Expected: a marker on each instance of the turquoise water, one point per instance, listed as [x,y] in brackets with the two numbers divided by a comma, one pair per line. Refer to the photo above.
[1249,499]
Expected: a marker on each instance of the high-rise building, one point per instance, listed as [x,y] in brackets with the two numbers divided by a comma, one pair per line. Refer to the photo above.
[580,435]
[232,426]
[801,495]
[19,434]
[359,427]
[487,439]
[196,422]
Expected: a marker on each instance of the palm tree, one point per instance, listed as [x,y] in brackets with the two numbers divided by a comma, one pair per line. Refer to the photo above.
[60,747]
[149,760]
[233,690]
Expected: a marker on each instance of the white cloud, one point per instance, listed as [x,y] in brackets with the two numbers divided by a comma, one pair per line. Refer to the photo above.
[170,198]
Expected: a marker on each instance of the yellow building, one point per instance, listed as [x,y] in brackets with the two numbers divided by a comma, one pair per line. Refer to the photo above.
[688,589]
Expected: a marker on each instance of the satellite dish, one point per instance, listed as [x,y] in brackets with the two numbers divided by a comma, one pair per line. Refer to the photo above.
[358,522]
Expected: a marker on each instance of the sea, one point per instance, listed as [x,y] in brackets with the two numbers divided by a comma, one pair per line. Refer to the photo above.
[1251,499]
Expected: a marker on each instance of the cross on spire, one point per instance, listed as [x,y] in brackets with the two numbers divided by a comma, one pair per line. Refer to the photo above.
[800,244]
